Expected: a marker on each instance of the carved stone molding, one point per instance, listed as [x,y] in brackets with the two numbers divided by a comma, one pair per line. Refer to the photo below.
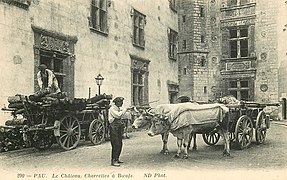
[263,87]
[213,19]
[238,65]
[53,41]
[55,44]
[239,74]
[53,34]
[263,56]
[238,21]
[213,38]
[139,63]
[263,34]
[24,4]
[17,59]
[214,60]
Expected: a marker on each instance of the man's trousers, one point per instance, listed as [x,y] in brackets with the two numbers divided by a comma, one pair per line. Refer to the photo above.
[116,130]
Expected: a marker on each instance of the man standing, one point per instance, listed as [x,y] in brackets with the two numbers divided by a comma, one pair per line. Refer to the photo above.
[116,129]
[47,79]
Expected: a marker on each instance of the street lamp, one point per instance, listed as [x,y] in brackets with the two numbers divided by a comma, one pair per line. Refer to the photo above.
[99,81]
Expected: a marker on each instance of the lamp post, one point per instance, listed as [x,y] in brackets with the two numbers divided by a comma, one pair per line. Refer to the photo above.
[99,81]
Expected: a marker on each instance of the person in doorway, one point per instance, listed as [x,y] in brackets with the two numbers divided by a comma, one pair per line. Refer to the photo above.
[116,113]
[47,79]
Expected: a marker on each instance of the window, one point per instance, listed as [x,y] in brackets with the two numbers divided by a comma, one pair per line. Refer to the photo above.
[184,71]
[202,61]
[99,15]
[202,38]
[233,2]
[172,44]
[240,89]
[138,87]
[138,23]
[54,62]
[238,42]
[184,44]
[201,11]
[183,18]
[172,5]
[139,80]
[57,53]
[173,89]
[237,2]
[205,90]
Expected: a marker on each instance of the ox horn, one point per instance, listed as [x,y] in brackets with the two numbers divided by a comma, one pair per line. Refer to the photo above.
[148,112]
[135,109]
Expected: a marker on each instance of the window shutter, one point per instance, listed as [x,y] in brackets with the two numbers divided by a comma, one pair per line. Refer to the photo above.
[251,41]
[225,43]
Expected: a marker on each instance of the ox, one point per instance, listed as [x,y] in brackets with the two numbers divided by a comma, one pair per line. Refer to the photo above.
[144,120]
[188,118]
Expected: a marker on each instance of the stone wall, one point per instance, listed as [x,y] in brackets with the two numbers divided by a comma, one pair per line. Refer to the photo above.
[266,50]
[282,49]
[195,57]
[261,64]
[94,53]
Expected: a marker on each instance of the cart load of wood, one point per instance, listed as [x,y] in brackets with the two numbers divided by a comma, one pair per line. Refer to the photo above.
[36,118]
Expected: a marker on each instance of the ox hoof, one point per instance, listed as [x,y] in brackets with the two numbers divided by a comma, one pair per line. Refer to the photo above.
[176,156]
[185,157]
[194,149]
[164,152]
[226,154]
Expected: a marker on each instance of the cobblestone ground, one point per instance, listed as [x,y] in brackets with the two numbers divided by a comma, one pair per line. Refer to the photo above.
[142,159]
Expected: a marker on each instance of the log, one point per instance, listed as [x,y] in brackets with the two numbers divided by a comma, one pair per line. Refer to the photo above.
[17,105]
[59,95]
[15,122]
[38,95]
[15,99]
[99,97]
[20,111]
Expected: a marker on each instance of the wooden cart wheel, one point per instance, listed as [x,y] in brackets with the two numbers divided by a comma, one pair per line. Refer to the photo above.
[70,132]
[211,138]
[261,127]
[244,131]
[97,131]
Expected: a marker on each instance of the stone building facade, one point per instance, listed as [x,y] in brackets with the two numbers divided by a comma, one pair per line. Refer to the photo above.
[130,43]
[229,47]
[282,49]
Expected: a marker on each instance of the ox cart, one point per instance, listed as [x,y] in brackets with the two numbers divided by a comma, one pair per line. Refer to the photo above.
[42,119]
[243,120]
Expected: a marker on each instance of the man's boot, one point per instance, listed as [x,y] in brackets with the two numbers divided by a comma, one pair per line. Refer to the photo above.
[115,163]
[119,161]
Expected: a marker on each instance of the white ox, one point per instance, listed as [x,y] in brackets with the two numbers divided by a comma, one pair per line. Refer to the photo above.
[144,119]
[185,119]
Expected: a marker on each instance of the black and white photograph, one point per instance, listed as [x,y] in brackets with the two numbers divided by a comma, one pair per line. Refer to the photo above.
[143,89]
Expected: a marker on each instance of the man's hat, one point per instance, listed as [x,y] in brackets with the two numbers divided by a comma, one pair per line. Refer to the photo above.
[183,99]
[118,99]
[42,66]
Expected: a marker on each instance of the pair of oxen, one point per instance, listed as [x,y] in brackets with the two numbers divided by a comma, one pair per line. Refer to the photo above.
[184,121]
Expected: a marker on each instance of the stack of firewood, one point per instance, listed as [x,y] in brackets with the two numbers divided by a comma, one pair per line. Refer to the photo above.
[19,104]
[58,101]
[11,139]
[102,100]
